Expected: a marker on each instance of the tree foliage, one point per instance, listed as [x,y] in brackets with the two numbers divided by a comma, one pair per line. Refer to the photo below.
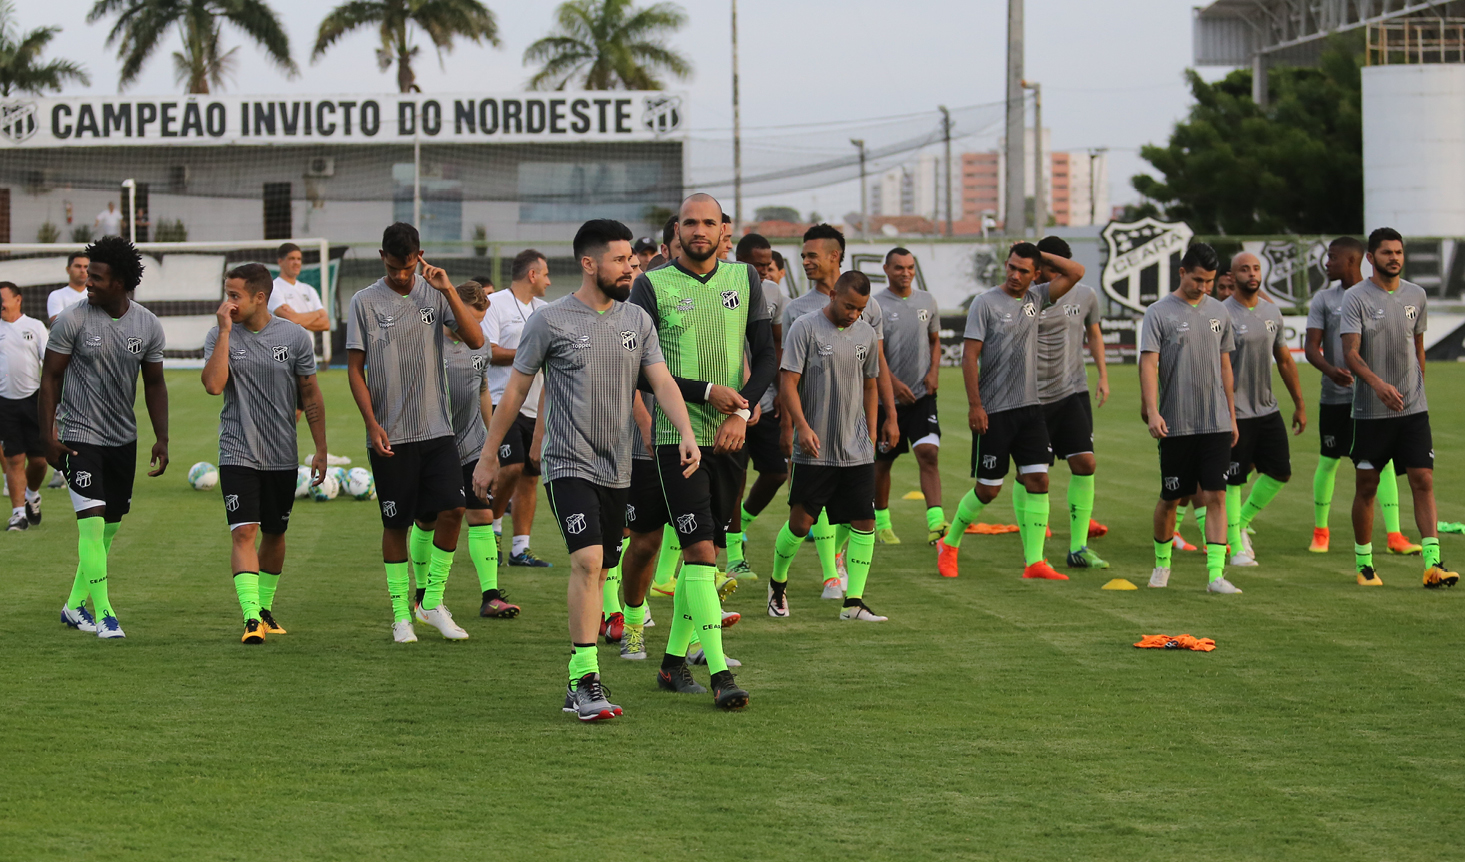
[202,64]
[1295,166]
[608,45]
[441,20]
[21,69]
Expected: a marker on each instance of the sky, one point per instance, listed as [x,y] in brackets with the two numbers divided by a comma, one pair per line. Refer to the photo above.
[1111,72]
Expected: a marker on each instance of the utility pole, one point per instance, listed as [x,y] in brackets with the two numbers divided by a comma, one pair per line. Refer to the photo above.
[416,179]
[864,210]
[1016,196]
[946,137]
[737,131]
[1040,201]
[1094,155]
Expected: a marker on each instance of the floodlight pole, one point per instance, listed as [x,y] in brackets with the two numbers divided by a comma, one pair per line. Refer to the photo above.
[864,209]
[131,186]
[737,130]
[1016,194]
[946,137]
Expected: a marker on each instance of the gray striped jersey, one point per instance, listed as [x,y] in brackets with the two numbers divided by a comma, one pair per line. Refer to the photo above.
[100,387]
[835,363]
[1007,326]
[1386,324]
[257,424]
[1060,356]
[1190,341]
[909,324]
[402,337]
[591,361]
[1257,333]
[815,301]
[1325,312]
[467,372]
[638,446]
[776,302]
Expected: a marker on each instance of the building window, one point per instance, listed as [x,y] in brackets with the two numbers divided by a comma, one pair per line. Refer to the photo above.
[277,211]
[577,191]
[442,201]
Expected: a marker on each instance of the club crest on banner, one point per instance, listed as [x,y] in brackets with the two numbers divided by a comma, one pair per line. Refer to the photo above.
[17,121]
[1294,269]
[662,114]
[1141,259]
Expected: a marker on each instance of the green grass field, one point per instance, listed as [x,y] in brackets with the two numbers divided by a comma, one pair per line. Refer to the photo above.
[991,718]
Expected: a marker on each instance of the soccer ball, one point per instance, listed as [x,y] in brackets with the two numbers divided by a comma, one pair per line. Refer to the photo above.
[340,474]
[302,483]
[203,476]
[326,490]
[360,484]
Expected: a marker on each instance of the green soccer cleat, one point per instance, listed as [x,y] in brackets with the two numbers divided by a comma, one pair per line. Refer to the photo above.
[725,586]
[741,571]
[886,536]
[1084,558]
[937,533]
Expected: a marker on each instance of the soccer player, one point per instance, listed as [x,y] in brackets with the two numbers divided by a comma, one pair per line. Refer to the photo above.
[1260,336]
[829,388]
[705,311]
[263,365]
[74,292]
[394,362]
[22,349]
[725,245]
[95,354]
[519,451]
[778,271]
[913,348]
[592,346]
[1225,283]
[1324,350]
[1187,399]
[1000,367]
[1383,324]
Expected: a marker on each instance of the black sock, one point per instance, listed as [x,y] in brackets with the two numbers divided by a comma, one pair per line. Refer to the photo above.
[490,595]
[779,587]
[421,591]
[670,661]
[852,603]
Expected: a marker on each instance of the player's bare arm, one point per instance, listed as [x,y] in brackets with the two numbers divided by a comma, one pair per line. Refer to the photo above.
[1149,394]
[1313,350]
[53,373]
[808,440]
[508,410]
[1101,363]
[669,399]
[933,375]
[468,330]
[971,372]
[315,416]
[1069,272]
[216,371]
[1228,382]
[376,435]
[155,396]
[1287,367]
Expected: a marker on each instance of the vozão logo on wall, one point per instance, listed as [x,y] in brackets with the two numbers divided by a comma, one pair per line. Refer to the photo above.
[1141,259]
[17,121]
[662,114]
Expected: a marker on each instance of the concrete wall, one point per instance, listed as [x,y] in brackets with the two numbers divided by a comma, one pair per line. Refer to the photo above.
[1414,149]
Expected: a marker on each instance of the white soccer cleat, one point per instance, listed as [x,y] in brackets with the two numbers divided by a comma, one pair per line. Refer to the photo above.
[861,613]
[698,657]
[108,628]
[833,589]
[440,619]
[777,604]
[841,569]
[650,623]
[1160,577]
[79,619]
[402,632]
[1243,560]
[1246,545]
[419,614]
[1223,586]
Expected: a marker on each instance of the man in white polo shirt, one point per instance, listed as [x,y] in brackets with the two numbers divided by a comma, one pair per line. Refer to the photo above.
[292,299]
[63,298]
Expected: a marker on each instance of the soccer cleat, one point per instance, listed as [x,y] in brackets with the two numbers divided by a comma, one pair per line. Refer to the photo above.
[832,589]
[946,559]
[58,480]
[18,522]
[741,571]
[1222,586]
[730,619]
[777,603]
[860,611]
[698,657]
[1438,576]
[497,608]
[1084,558]
[108,628]
[726,586]
[841,569]
[418,613]
[1243,560]
[1246,546]
[79,619]
[1319,541]
[402,632]
[1400,544]
[613,628]
[440,619]
[937,533]
[267,622]
[33,511]
[650,623]
[886,536]
[586,697]
[1048,532]
[527,558]
[669,588]
[1160,577]
[1044,572]
[1367,577]
[633,645]
[725,692]
[254,632]
[678,679]
[1181,544]
[1097,530]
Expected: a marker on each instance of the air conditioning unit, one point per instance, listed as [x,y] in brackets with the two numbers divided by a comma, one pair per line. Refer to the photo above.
[320,166]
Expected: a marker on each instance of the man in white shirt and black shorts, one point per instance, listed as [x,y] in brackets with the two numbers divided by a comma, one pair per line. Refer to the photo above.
[22,350]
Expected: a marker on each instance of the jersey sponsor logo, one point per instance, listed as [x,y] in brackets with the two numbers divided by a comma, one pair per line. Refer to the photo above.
[580,342]
[1241,329]
[685,304]
[386,321]
[575,524]
[923,314]
[134,344]
[893,315]
[480,362]
[731,300]
[1172,483]
[389,508]
[428,315]
[231,502]
[1377,313]
[1272,327]
[94,341]
[629,339]
[280,352]
[686,523]
[824,349]
[989,462]
[1215,325]
[81,479]
[1411,312]
[239,352]
[505,450]
[861,351]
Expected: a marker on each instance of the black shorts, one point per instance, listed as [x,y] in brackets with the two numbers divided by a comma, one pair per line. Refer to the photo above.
[762,449]
[473,502]
[589,515]
[699,506]
[517,442]
[917,421]
[1405,440]
[263,497]
[1193,462]
[20,431]
[645,502]
[1335,429]
[424,476]
[102,476]
[848,493]
[1020,435]
[1070,423]
[1261,444]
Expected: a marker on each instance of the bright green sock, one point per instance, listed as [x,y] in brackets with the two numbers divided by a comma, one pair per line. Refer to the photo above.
[1162,553]
[1388,497]
[785,548]
[935,517]
[1323,480]
[636,614]
[681,632]
[1263,491]
[735,548]
[79,590]
[246,585]
[748,518]
[91,553]
[861,552]
[1215,560]
[1019,505]
[583,660]
[419,551]
[882,519]
[1233,518]
[268,583]
[670,556]
[1080,510]
[437,576]
[1179,516]
[1035,517]
[400,591]
[703,606]
[483,549]
[1363,556]
[841,536]
[823,534]
[1431,551]
[610,593]
[109,533]
[1199,512]
[967,513]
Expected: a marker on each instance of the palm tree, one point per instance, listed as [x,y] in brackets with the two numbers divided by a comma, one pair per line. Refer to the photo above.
[20,69]
[612,43]
[142,24]
[442,20]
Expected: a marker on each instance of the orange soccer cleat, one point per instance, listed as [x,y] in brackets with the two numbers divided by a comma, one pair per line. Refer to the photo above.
[1399,544]
[1181,544]
[1042,571]
[946,559]
[1097,530]
[1319,540]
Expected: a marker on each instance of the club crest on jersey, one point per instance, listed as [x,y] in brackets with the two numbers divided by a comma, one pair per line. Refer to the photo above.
[686,523]
[1215,325]
[731,300]
[231,503]
[505,451]
[94,341]
[685,304]
[389,508]
[1411,312]
[923,314]
[81,479]
[1073,310]
[134,344]
[861,351]
[1272,326]
[429,315]
[1172,483]
[480,362]
[1029,309]
[575,524]
[28,336]
[629,340]
[280,352]
[580,342]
